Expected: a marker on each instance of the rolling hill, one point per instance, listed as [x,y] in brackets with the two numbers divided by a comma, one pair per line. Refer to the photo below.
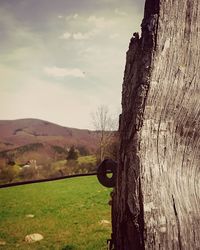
[25,139]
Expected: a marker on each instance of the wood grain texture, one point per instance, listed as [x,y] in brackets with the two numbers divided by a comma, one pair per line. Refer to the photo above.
[157,197]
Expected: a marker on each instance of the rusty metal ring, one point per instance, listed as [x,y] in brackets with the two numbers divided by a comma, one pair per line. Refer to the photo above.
[105,167]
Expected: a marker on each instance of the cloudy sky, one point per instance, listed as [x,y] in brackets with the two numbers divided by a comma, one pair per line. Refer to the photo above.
[61,59]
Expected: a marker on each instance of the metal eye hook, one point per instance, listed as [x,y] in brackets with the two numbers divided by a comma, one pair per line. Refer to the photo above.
[105,167]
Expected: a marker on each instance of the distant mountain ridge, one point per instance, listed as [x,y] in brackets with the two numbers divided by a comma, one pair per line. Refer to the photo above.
[43,137]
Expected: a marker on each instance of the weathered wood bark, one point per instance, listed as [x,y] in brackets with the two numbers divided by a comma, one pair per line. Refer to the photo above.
[157,200]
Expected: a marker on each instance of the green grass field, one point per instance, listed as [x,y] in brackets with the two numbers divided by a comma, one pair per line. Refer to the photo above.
[67,213]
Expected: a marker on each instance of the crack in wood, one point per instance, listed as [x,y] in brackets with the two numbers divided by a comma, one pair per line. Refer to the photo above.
[178,223]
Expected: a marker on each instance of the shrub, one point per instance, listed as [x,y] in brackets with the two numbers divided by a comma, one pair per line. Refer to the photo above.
[58,149]
[83,151]
[9,173]
[72,154]
[29,173]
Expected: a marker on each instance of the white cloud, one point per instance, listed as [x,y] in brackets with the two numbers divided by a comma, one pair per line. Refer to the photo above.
[93,24]
[82,36]
[79,35]
[66,35]
[71,17]
[63,72]
[75,16]
[99,22]
[60,16]
[120,13]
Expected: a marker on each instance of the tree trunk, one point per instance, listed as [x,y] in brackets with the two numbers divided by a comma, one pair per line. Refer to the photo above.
[156,204]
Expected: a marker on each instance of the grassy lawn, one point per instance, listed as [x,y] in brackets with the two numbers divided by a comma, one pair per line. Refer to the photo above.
[67,213]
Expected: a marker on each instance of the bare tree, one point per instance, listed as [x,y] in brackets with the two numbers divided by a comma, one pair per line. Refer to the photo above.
[105,126]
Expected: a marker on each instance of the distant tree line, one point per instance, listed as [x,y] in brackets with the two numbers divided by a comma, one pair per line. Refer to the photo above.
[13,172]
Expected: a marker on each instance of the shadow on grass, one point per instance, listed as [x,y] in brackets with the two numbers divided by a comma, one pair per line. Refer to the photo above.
[69,247]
